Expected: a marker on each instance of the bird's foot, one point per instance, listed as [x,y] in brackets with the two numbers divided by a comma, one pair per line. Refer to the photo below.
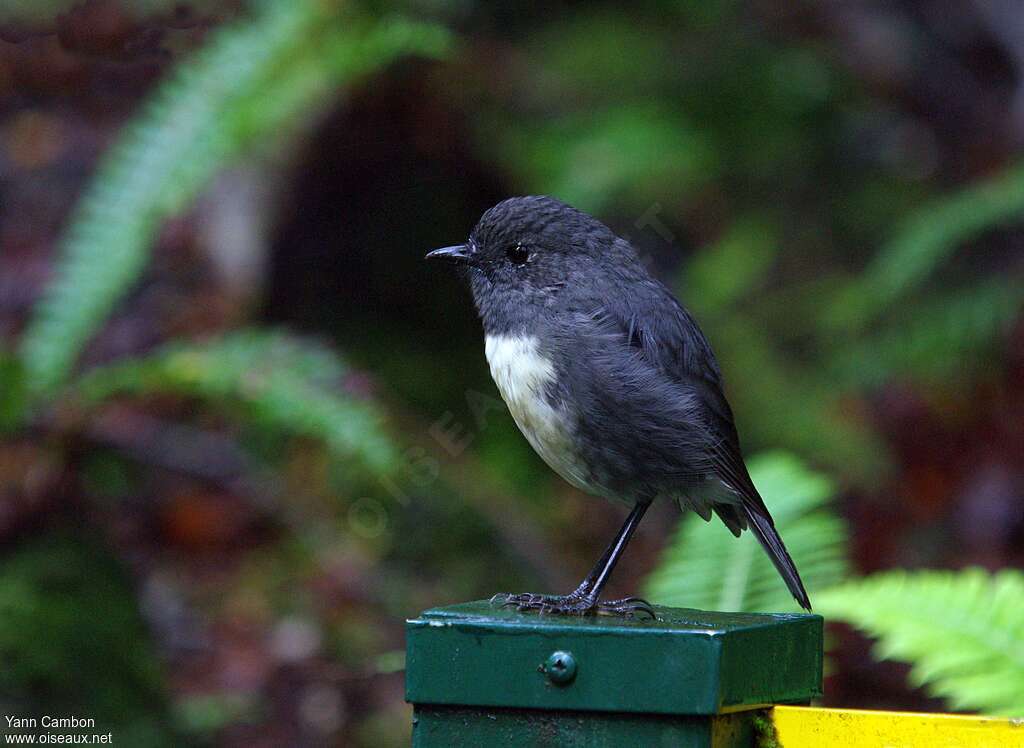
[573,605]
[564,605]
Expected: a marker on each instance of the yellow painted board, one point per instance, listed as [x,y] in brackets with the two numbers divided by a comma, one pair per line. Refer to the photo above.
[812,727]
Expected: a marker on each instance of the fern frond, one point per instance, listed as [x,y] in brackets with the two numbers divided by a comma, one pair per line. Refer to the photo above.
[247,85]
[274,378]
[962,632]
[706,567]
[926,239]
[937,339]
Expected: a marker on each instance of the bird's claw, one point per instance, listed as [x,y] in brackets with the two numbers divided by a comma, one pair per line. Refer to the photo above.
[573,605]
[626,607]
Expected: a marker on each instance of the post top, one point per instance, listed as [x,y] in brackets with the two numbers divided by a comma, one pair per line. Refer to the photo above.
[686,662]
[684,621]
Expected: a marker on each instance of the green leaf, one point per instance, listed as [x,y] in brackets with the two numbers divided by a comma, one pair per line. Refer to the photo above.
[924,240]
[273,378]
[962,632]
[936,340]
[706,567]
[254,80]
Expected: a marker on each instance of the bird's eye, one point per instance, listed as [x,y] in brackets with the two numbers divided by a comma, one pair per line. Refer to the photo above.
[518,254]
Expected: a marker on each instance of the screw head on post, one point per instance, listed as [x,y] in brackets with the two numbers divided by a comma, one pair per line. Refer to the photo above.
[560,668]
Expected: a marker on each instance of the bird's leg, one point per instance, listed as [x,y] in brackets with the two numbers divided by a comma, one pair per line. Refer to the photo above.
[584,599]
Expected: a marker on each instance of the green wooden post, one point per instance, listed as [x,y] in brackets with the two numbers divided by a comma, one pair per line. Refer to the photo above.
[479,675]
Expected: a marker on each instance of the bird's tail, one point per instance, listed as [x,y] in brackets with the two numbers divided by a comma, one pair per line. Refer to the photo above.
[765,531]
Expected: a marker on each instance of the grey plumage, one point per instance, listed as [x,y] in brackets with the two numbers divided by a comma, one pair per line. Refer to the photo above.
[635,390]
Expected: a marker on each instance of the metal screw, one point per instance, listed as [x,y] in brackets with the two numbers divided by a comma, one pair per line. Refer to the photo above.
[560,668]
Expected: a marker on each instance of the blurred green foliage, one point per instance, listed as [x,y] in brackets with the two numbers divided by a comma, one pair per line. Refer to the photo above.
[71,639]
[621,113]
[924,240]
[279,381]
[44,13]
[242,92]
[589,158]
[734,135]
[963,632]
[705,567]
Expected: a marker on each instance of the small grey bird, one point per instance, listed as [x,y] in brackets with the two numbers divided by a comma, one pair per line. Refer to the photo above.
[610,380]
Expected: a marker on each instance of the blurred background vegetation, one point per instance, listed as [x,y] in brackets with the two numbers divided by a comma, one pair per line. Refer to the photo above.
[246,431]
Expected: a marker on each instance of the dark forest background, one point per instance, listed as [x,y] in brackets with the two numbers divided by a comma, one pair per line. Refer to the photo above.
[246,431]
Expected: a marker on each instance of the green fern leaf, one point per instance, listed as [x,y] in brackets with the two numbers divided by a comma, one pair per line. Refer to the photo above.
[706,567]
[935,340]
[253,80]
[925,240]
[274,378]
[962,632]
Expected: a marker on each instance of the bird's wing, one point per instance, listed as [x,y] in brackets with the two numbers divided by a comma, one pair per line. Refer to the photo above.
[667,337]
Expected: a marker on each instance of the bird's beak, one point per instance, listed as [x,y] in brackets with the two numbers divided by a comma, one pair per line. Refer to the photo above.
[460,253]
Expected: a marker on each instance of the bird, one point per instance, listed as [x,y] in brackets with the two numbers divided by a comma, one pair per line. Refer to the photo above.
[611,381]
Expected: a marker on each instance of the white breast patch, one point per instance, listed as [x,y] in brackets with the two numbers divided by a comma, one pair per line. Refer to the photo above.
[523,375]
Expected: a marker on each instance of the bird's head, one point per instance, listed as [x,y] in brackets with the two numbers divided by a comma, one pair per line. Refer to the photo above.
[526,253]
